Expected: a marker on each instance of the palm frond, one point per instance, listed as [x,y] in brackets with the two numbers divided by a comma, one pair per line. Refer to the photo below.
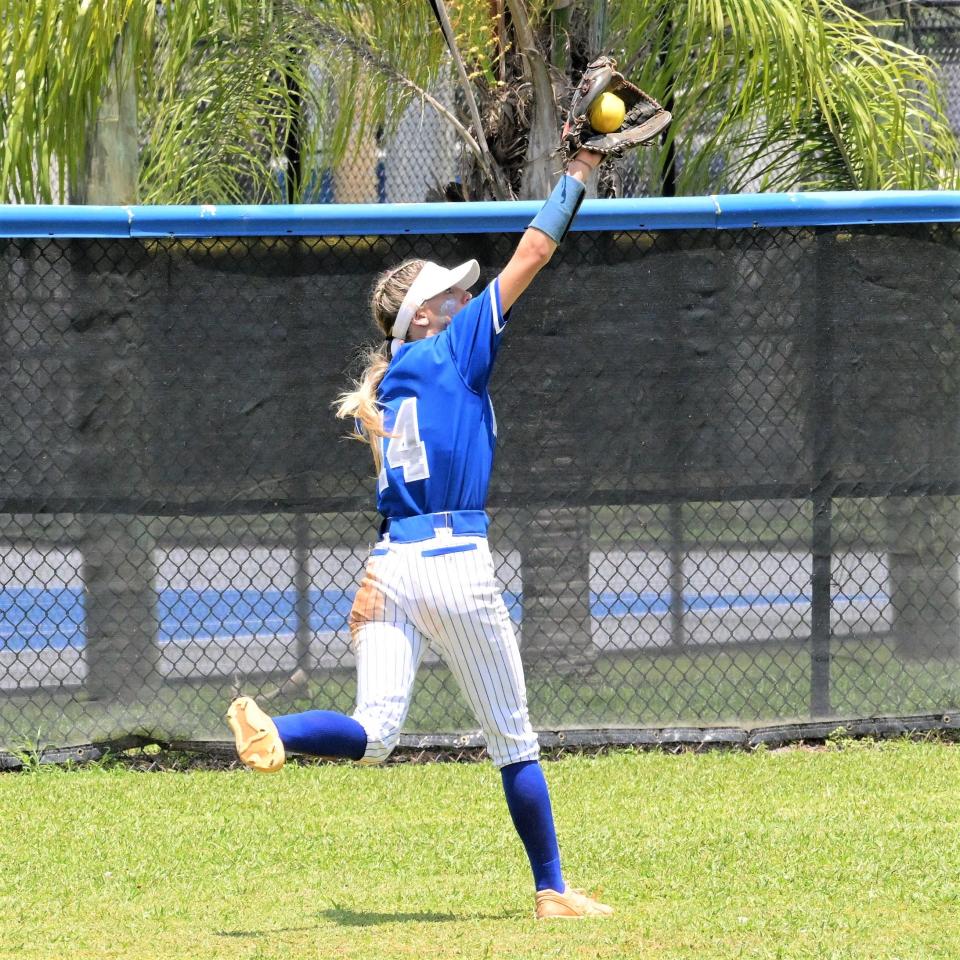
[791,94]
[375,57]
[477,27]
[220,108]
[56,58]
[804,93]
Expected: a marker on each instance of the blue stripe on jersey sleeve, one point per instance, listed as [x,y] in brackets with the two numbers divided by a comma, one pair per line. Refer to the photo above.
[475,334]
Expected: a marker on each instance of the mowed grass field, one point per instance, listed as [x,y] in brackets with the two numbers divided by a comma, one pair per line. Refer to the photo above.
[847,851]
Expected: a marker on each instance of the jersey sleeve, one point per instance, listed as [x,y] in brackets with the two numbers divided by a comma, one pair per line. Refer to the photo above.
[475,334]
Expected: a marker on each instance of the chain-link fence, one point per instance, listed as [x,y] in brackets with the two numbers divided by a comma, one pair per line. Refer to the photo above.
[726,490]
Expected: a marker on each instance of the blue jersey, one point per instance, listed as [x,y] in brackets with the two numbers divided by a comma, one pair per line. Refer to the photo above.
[435,403]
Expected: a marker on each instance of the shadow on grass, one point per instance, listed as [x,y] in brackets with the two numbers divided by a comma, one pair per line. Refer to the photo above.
[356,918]
[271,931]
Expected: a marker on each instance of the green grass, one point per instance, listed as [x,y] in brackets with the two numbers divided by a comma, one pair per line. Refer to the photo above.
[835,854]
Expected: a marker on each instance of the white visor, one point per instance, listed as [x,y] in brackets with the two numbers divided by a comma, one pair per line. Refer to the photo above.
[430,281]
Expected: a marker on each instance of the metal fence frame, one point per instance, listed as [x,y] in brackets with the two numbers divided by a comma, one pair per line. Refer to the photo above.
[713,212]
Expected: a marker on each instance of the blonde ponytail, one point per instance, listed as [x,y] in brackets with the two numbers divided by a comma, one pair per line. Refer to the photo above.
[360,403]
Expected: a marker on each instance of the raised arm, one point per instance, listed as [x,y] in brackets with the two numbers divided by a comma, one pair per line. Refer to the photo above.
[540,239]
[608,115]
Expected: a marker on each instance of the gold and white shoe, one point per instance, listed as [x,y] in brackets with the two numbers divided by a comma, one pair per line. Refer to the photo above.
[258,742]
[569,905]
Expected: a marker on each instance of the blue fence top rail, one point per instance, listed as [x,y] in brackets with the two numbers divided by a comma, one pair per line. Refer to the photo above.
[719,212]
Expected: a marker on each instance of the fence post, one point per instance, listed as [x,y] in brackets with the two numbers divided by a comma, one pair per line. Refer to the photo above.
[678,635]
[821,438]
[302,579]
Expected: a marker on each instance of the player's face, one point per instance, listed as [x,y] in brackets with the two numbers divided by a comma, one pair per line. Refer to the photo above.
[437,312]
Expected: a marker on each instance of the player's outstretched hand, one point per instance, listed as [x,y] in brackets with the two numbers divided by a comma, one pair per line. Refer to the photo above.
[609,115]
[583,164]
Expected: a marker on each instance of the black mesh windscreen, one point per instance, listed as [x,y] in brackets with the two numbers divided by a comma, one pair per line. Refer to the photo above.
[726,488]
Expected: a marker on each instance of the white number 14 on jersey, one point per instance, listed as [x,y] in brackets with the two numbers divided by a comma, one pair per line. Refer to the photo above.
[405,448]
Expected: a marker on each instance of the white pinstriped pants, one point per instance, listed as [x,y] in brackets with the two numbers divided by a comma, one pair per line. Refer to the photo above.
[440,592]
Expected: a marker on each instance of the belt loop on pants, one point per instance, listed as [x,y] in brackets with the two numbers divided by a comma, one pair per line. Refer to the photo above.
[461,523]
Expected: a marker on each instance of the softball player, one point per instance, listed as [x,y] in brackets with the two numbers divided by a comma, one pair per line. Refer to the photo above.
[422,404]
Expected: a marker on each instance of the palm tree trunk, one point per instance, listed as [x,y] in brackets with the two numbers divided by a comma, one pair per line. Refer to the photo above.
[596,39]
[111,165]
[543,160]
[118,568]
[560,28]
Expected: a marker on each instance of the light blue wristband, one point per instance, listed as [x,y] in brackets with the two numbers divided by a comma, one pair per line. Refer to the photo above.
[557,213]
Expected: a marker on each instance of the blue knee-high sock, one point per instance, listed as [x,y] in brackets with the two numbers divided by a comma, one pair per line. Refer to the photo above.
[322,733]
[529,803]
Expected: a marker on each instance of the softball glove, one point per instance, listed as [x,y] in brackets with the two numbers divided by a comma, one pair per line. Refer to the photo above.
[643,120]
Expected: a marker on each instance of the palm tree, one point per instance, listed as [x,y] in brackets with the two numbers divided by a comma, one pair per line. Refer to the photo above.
[252,100]
[782,94]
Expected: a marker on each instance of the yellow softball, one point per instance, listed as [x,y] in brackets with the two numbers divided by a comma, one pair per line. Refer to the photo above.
[607,113]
